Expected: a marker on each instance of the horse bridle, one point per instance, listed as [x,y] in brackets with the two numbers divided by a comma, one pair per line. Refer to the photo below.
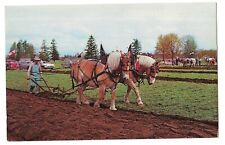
[127,66]
[155,69]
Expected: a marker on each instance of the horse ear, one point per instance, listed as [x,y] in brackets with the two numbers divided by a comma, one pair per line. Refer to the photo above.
[101,47]
[129,49]
[122,55]
[129,54]
[157,63]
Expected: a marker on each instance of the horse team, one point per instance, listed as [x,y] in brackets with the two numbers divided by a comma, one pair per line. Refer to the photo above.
[119,68]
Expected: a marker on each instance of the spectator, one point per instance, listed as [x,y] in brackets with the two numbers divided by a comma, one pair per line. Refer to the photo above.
[199,62]
[177,60]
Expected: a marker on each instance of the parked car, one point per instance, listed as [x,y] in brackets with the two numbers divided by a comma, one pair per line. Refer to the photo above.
[47,65]
[11,65]
[24,63]
[66,64]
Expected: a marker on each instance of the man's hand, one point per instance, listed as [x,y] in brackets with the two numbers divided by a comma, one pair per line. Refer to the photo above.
[41,74]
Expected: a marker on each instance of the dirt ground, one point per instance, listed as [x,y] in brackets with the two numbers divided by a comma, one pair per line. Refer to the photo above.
[37,118]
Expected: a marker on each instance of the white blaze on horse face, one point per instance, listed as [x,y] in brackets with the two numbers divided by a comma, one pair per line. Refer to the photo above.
[152,80]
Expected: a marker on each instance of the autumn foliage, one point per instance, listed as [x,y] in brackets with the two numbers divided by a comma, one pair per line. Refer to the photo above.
[168,44]
[171,46]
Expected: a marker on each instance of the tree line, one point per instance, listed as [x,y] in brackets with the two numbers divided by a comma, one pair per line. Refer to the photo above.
[23,49]
[172,45]
[92,52]
[167,45]
[49,52]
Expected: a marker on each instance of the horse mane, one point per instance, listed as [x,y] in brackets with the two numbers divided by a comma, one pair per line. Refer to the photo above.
[146,61]
[113,60]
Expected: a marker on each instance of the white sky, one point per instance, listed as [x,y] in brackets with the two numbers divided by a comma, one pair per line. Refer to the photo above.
[115,26]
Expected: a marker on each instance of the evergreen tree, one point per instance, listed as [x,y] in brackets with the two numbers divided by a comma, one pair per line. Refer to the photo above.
[91,51]
[25,46]
[23,49]
[54,52]
[136,47]
[44,53]
[19,50]
[13,47]
[29,53]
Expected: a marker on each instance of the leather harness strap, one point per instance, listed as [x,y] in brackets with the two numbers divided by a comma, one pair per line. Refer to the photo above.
[111,75]
[94,75]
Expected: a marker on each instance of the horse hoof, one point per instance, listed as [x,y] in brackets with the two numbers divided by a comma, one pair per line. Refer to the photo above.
[127,101]
[86,102]
[140,103]
[78,101]
[112,108]
[97,105]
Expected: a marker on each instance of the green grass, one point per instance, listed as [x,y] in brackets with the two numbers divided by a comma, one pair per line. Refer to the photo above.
[193,100]
[199,101]
[17,80]
[57,63]
[189,75]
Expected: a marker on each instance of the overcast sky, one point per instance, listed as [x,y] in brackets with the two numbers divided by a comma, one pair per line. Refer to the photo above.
[115,26]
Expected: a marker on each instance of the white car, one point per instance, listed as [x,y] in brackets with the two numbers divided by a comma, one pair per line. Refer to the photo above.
[47,65]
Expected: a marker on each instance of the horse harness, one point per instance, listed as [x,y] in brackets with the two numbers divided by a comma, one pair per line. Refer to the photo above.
[140,77]
[95,76]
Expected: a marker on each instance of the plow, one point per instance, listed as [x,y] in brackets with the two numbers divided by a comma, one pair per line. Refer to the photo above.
[61,92]
[56,91]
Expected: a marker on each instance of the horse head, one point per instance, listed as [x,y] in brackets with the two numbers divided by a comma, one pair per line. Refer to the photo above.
[152,72]
[125,64]
[125,61]
[150,67]
[119,63]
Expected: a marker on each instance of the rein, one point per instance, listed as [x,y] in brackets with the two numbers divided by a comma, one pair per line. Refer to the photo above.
[111,75]
[94,76]
[90,79]
[138,76]
[141,76]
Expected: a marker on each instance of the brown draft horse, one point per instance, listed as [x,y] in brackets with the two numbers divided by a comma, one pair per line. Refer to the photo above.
[93,74]
[148,69]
